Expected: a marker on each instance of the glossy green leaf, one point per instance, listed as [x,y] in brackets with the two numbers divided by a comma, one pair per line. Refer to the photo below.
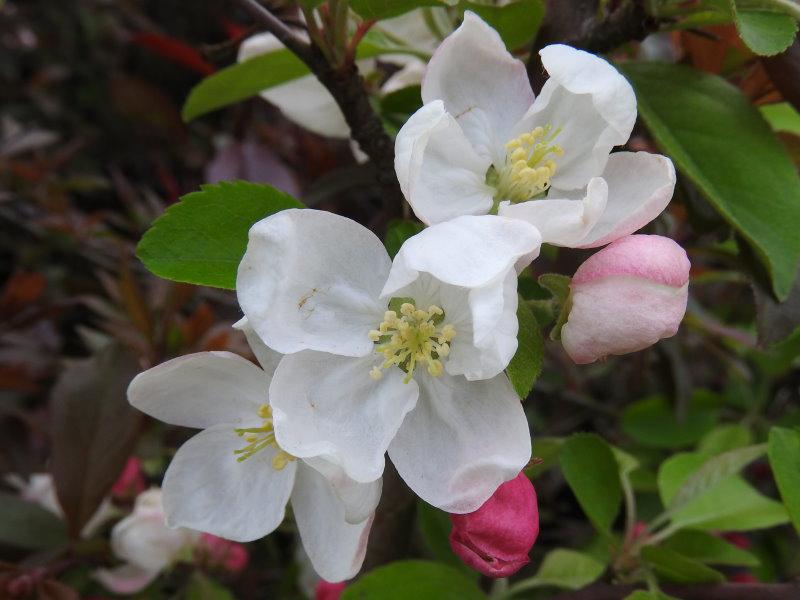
[592,472]
[653,422]
[526,365]
[435,526]
[27,525]
[677,568]
[643,595]
[784,457]
[545,449]
[730,504]
[386,9]
[397,232]
[724,438]
[517,22]
[721,142]
[202,238]
[765,32]
[709,548]
[563,568]
[417,579]
[782,116]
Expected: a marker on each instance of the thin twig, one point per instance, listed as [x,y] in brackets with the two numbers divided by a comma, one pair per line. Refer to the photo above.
[277,28]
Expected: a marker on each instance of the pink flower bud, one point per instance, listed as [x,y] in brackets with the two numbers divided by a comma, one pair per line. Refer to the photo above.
[130,482]
[626,297]
[329,591]
[496,538]
[217,552]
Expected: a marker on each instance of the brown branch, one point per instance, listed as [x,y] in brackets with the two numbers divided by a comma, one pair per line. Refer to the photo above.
[347,87]
[574,22]
[723,591]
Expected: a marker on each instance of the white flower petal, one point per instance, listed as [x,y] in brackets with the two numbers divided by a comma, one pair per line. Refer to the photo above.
[144,540]
[335,547]
[440,174]
[304,100]
[329,406]
[201,390]
[461,441]
[493,340]
[593,105]
[640,185]
[467,251]
[207,489]
[360,499]
[562,222]
[482,85]
[125,579]
[267,357]
[311,280]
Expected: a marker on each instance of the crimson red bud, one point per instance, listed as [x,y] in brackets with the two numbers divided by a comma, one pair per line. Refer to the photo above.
[496,538]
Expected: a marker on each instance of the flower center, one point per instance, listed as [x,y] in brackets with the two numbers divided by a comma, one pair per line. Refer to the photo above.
[258,438]
[415,337]
[529,166]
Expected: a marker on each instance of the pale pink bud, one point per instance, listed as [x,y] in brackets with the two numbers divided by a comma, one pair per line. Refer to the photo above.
[496,538]
[217,552]
[130,482]
[329,591]
[626,297]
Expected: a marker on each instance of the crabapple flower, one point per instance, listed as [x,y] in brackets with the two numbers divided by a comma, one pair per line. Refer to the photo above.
[146,545]
[308,103]
[217,552]
[406,356]
[232,479]
[41,490]
[626,297]
[326,590]
[482,144]
[130,482]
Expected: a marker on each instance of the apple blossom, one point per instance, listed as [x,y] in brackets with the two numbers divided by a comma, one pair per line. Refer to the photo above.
[406,356]
[308,103]
[40,489]
[232,479]
[482,144]
[496,538]
[216,552]
[626,297]
[131,481]
[146,545]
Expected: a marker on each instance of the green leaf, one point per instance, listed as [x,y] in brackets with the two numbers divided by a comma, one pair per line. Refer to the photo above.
[709,548]
[711,472]
[679,569]
[202,238]
[652,421]
[782,116]
[784,457]
[765,32]
[731,504]
[592,473]
[563,568]
[526,366]
[643,595]
[241,81]
[397,232]
[546,449]
[386,9]
[724,438]
[246,79]
[417,579]
[516,22]
[27,525]
[721,142]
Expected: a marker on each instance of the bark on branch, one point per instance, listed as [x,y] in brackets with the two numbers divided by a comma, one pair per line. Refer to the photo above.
[347,87]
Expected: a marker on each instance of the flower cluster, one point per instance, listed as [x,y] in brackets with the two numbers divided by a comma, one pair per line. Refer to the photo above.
[363,355]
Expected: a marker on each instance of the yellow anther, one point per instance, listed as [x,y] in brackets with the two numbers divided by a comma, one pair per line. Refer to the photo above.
[528,168]
[258,438]
[374,334]
[415,338]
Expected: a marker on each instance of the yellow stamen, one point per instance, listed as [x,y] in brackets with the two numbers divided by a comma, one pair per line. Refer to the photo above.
[415,338]
[258,438]
[529,168]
